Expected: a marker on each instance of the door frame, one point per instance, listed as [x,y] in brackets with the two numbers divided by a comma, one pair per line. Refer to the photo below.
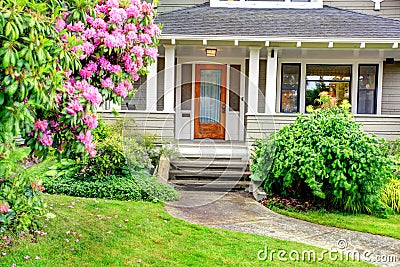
[186,123]
[223,108]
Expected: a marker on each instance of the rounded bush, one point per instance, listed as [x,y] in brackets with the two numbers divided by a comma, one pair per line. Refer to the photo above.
[116,187]
[325,157]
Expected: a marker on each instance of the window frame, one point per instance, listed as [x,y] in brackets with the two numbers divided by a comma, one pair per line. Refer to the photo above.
[330,64]
[375,89]
[298,87]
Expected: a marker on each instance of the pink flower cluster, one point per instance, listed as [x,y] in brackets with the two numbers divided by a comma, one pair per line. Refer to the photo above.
[90,120]
[41,125]
[128,27]
[115,46]
[44,135]
[4,208]
[87,140]
[123,88]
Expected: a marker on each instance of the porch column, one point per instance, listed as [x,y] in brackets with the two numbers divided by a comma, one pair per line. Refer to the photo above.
[169,78]
[151,88]
[254,67]
[270,91]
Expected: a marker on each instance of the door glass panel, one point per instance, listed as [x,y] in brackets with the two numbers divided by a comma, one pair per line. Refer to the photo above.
[210,95]
[367,89]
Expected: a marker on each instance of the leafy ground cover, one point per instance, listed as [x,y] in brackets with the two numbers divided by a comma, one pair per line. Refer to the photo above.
[90,232]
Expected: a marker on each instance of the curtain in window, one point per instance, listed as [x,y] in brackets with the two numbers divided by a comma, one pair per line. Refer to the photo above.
[210,94]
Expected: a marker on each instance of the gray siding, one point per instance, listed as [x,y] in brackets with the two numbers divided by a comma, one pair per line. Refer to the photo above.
[262,79]
[391,89]
[389,8]
[170,5]
[161,124]
[160,83]
[261,125]
[138,101]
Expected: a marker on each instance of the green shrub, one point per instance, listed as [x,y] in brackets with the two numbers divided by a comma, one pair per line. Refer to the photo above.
[20,203]
[138,186]
[118,171]
[325,157]
[393,149]
[117,187]
[390,195]
[115,152]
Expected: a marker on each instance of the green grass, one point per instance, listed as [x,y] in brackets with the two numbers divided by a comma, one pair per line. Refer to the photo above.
[128,232]
[358,222]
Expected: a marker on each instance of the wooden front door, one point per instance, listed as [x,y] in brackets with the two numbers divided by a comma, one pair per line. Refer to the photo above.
[210,101]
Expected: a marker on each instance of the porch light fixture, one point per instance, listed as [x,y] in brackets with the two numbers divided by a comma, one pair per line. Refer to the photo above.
[389,60]
[211,52]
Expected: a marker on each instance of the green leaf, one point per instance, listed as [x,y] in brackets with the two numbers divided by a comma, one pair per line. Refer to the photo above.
[10,90]
[51,173]
[1,98]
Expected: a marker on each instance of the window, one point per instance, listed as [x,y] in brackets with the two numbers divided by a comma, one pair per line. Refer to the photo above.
[290,85]
[367,88]
[138,100]
[234,88]
[186,87]
[334,79]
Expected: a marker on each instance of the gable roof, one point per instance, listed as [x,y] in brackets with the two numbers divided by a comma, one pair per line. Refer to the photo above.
[327,22]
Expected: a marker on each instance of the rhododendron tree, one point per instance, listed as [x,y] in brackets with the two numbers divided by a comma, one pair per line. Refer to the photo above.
[97,54]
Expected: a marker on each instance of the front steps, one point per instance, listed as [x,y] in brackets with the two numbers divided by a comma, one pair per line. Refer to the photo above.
[209,165]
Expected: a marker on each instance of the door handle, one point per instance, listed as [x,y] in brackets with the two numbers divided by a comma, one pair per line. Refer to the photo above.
[223,108]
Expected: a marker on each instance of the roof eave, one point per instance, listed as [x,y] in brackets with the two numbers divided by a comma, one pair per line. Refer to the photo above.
[276,39]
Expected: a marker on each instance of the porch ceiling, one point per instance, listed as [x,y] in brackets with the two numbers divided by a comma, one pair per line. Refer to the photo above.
[198,52]
[379,54]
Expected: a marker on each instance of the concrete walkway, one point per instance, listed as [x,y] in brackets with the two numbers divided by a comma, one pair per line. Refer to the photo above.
[240,212]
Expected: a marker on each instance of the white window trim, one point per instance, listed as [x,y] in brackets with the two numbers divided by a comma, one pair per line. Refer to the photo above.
[267,4]
[354,80]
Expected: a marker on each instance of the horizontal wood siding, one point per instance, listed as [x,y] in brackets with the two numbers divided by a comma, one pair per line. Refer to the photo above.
[391,89]
[261,125]
[389,8]
[158,123]
[387,127]
[170,5]
[262,78]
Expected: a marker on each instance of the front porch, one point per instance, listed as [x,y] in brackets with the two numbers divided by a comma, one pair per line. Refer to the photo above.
[262,88]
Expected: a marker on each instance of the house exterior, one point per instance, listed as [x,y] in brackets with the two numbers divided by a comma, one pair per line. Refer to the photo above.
[239,70]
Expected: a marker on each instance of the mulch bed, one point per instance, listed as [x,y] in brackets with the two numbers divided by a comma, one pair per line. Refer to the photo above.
[287,203]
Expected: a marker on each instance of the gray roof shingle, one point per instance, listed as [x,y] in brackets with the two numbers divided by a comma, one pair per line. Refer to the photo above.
[327,22]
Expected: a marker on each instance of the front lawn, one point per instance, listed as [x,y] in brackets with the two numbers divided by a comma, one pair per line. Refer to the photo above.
[89,232]
[358,222]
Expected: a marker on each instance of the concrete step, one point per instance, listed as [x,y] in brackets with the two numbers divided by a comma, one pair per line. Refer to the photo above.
[210,185]
[204,163]
[213,150]
[208,173]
